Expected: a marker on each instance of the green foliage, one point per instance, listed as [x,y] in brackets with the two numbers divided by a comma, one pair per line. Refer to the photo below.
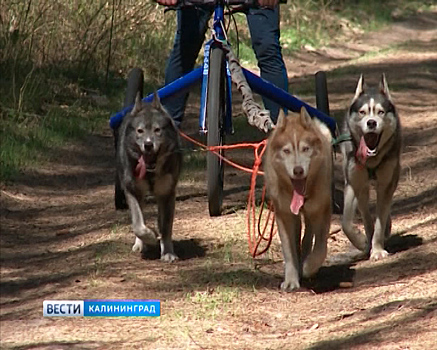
[81,36]
[63,63]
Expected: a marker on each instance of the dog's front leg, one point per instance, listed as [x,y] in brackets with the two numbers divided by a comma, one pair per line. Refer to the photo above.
[384,193]
[307,241]
[166,209]
[363,207]
[387,181]
[289,227]
[350,207]
[318,226]
[140,230]
[377,251]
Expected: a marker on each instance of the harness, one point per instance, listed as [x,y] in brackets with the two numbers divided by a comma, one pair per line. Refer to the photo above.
[347,137]
[340,139]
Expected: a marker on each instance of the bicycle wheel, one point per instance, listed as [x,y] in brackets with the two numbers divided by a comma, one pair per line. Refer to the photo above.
[322,101]
[135,82]
[215,112]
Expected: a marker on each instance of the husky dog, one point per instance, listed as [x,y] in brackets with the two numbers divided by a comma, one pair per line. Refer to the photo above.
[298,174]
[372,156]
[149,160]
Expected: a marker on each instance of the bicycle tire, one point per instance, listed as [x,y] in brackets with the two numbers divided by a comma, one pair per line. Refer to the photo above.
[322,101]
[135,84]
[215,112]
[322,104]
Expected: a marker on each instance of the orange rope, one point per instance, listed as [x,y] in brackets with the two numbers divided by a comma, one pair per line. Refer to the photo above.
[215,149]
[254,233]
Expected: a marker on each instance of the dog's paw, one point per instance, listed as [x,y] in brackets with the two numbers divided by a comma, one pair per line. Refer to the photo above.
[169,257]
[145,233]
[289,286]
[376,255]
[138,245]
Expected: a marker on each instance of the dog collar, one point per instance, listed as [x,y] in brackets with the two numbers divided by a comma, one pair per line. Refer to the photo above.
[341,138]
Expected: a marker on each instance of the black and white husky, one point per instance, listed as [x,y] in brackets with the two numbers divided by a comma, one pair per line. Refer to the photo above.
[371,157]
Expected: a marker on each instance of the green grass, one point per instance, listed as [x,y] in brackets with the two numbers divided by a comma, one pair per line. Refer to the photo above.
[317,22]
[209,304]
[193,160]
[374,14]
[293,39]
[27,139]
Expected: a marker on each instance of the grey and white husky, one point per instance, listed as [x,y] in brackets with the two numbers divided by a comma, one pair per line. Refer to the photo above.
[371,157]
[149,161]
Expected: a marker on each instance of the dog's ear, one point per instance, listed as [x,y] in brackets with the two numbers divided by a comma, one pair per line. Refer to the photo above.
[156,102]
[305,118]
[383,87]
[138,103]
[360,87]
[281,119]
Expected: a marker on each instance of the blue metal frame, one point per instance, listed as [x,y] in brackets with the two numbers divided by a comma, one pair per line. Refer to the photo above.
[257,84]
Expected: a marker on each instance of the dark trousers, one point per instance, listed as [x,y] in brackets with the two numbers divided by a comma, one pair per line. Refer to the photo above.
[190,34]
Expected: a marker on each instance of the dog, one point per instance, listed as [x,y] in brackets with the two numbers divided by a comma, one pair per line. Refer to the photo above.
[148,160]
[298,176]
[371,157]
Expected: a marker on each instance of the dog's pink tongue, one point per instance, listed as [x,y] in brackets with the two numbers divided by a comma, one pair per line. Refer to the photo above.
[296,202]
[362,151]
[140,169]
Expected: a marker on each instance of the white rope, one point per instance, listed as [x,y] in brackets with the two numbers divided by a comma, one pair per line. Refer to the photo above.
[256,116]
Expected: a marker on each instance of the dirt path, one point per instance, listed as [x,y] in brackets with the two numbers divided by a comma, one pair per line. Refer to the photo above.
[62,239]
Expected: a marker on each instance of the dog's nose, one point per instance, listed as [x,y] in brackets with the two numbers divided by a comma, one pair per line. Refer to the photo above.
[148,145]
[298,171]
[371,124]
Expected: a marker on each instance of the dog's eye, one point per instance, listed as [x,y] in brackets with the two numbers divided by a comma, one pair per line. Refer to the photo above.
[362,113]
[286,151]
[305,149]
[140,131]
[157,130]
[381,113]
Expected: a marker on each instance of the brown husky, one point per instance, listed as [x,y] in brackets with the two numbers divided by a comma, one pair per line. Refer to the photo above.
[298,174]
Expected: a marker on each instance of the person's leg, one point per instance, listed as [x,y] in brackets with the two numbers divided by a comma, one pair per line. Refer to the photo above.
[190,33]
[264,31]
